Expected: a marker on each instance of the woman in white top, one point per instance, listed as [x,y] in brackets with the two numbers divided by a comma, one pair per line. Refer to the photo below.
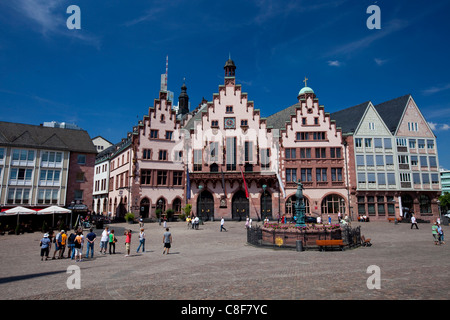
[141,240]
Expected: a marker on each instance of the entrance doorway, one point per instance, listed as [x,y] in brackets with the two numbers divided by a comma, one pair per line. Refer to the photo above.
[205,206]
[266,205]
[240,206]
[144,208]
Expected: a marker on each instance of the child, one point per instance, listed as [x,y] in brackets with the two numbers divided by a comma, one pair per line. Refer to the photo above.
[127,242]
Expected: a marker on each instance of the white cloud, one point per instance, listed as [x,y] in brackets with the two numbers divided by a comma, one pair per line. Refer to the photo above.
[334,63]
[48,17]
[380,62]
[432,125]
[439,126]
[436,89]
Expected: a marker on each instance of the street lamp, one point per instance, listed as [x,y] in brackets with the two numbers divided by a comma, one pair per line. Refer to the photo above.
[160,208]
[264,198]
[200,187]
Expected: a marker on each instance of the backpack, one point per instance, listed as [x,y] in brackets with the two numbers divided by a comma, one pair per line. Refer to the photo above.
[77,242]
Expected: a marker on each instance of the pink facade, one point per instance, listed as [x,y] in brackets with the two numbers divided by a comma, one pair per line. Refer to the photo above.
[313,151]
[229,140]
[158,171]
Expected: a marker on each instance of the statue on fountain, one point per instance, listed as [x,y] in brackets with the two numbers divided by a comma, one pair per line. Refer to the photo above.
[299,206]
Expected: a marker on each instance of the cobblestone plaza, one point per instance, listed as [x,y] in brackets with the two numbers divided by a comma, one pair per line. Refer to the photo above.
[207,264]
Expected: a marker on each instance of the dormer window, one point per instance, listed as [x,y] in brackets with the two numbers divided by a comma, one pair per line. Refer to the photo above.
[229,109]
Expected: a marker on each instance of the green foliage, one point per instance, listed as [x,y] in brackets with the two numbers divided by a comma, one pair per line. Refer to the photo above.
[158,212]
[129,216]
[187,209]
[445,200]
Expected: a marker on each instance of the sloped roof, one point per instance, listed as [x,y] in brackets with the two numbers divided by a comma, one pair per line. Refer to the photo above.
[391,111]
[278,120]
[40,137]
[348,119]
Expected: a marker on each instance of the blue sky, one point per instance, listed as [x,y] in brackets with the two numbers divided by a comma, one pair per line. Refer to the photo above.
[104,76]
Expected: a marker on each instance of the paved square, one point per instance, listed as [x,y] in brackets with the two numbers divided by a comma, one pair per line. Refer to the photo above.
[209,264]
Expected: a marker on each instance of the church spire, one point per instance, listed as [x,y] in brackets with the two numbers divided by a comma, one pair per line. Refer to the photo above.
[183,99]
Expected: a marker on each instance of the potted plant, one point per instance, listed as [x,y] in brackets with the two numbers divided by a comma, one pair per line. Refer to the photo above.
[129,217]
[169,213]
[187,210]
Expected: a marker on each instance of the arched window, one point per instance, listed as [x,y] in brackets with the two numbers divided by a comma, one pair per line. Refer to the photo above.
[176,206]
[333,203]
[425,204]
[290,205]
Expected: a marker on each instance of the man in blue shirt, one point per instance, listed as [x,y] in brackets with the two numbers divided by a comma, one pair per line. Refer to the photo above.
[90,243]
[45,247]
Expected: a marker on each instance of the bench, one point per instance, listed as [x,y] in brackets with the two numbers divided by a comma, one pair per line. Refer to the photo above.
[330,243]
[365,242]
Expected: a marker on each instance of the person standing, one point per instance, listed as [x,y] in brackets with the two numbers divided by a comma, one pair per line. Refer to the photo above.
[112,242]
[414,222]
[441,234]
[57,245]
[167,241]
[78,246]
[63,244]
[127,242]
[141,240]
[46,244]
[435,233]
[104,240]
[246,223]
[222,222]
[71,245]
[91,236]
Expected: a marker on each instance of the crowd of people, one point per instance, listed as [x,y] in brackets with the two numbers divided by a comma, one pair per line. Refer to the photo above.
[76,241]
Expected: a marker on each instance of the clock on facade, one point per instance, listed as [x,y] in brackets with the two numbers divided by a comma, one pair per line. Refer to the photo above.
[229,123]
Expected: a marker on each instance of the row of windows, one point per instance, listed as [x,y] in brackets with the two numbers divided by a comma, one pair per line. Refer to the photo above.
[415,143]
[163,155]
[161,177]
[311,136]
[154,134]
[321,174]
[381,160]
[389,178]
[369,143]
[305,153]
[22,196]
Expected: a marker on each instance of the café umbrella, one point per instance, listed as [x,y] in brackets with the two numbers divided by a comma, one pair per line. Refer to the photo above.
[18,211]
[53,210]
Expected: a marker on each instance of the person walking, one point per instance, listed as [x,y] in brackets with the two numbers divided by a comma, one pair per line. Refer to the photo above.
[45,244]
[222,222]
[435,233]
[141,240]
[167,241]
[128,242]
[104,240]
[112,242]
[246,223]
[414,222]
[91,236]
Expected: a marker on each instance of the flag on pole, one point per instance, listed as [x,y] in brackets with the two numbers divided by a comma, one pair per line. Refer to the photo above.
[223,184]
[245,183]
[281,185]
[188,185]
